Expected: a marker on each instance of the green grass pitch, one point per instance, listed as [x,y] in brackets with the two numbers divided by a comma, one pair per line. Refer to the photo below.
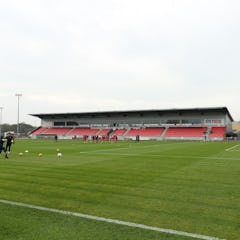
[184,186]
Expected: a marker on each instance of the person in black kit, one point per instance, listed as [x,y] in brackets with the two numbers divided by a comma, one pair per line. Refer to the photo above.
[10,140]
[137,138]
[2,148]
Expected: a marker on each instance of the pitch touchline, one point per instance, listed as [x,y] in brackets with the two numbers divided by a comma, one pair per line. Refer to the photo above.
[109,220]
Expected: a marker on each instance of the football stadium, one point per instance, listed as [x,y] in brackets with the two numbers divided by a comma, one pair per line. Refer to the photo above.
[147,174]
[178,124]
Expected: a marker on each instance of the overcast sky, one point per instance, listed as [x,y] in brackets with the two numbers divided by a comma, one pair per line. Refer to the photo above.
[81,56]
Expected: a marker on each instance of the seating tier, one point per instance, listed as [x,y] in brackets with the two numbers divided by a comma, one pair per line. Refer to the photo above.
[38,131]
[185,132]
[119,132]
[83,131]
[103,131]
[146,132]
[217,132]
[56,131]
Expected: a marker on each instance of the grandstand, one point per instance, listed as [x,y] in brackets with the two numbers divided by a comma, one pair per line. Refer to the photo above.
[168,124]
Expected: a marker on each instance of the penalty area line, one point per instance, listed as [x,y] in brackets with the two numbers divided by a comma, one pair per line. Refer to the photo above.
[231,148]
[109,220]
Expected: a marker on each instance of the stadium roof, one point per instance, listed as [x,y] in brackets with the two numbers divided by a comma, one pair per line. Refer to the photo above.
[222,110]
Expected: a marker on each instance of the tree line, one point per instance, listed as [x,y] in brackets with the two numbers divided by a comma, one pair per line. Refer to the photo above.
[24,128]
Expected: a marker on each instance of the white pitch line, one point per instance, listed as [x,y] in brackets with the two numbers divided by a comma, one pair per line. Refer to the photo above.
[109,220]
[229,149]
[164,155]
[114,149]
[131,146]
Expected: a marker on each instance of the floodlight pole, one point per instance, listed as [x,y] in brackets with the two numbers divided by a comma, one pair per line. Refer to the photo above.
[18,95]
[1,108]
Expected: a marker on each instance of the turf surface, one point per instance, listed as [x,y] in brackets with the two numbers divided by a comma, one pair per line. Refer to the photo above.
[185,186]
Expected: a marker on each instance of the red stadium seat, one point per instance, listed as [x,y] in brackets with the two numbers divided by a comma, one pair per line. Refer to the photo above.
[186,132]
[217,132]
[83,131]
[146,132]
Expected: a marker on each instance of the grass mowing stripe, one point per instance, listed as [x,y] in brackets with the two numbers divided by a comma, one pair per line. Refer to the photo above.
[182,190]
[113,190]
[109,220]
[132,146]
[164,155]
